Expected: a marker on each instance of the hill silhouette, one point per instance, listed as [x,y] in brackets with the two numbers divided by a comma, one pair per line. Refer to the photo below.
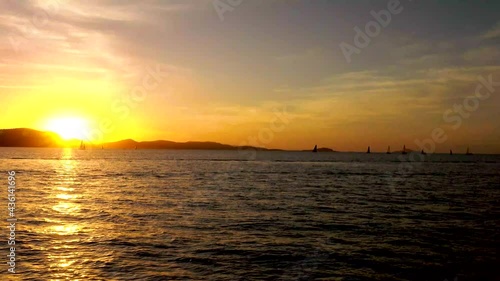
[23,137]
[163,144]
[322,149]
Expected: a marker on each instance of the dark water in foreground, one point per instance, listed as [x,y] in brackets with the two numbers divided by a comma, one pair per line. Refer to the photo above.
[210,215]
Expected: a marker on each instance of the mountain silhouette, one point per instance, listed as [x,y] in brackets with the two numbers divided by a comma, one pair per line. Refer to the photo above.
[23,137]
[163,144]
[32,138]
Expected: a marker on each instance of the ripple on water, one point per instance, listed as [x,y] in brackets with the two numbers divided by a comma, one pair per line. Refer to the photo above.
[139,215]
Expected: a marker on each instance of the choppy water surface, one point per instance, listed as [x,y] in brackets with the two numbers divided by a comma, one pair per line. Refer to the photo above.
[214,215]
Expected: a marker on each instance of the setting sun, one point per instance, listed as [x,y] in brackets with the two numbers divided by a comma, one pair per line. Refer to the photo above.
[68,128]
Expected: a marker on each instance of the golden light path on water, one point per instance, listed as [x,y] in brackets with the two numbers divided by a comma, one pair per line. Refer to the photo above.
[74,229]
[64,254]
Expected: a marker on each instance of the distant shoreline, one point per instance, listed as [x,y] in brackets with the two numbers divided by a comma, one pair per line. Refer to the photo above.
[262,150]
[29,138]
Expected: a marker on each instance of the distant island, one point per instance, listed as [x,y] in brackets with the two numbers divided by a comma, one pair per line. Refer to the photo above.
[23,137]
[322,149]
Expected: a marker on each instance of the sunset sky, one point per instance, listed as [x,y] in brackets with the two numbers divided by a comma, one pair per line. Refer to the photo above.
[181,70]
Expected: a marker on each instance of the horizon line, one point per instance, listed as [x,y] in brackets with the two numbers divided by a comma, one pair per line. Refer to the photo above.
[409,150]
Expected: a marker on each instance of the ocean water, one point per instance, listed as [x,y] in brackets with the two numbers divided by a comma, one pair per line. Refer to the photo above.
[216,215]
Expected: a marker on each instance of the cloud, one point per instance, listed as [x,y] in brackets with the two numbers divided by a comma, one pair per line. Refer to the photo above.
[91,40]
[494,32]
[483,55]
[234,74]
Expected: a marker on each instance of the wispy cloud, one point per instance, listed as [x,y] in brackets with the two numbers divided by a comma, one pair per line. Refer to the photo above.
[232,74]
[494,32]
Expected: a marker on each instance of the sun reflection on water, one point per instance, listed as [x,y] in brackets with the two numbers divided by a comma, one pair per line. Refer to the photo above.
[62,188]
[65,229]
[65,263]
[64,252]
[67,208]
[65,196]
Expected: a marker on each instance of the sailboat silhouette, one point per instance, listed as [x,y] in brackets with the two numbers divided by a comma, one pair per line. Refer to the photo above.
[82,145]
[368,151]
[423,152]
[404,149]
[315,149]
[388,150]
[451,152]
[468,151]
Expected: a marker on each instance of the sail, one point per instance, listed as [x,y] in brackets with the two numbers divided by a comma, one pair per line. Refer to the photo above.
[315,148]
[388,150]
[368,151]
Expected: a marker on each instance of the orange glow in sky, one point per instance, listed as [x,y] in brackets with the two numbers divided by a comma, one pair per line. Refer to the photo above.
[107,70]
